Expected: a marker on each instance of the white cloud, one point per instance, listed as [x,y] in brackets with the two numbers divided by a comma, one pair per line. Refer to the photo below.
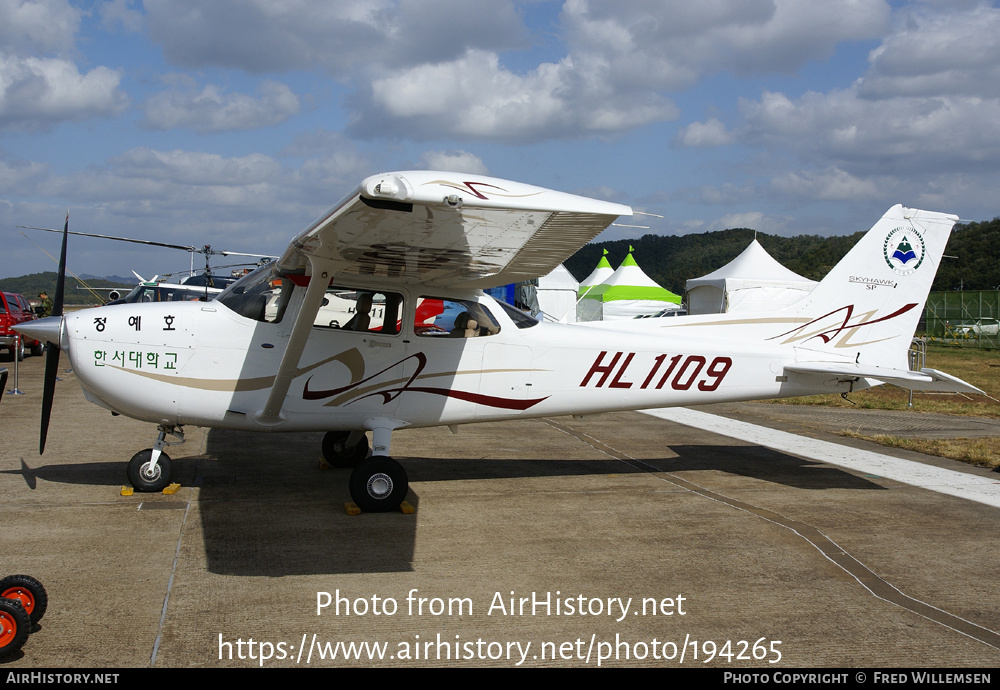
[252,203]
[747,219]
[262,35]
[37,93]
[120,13]
[936,53]
[621,60]
[726,194]
[901,135]
[29,27]
[670,44]
[476,97]
[928,105]
[438,68]
[21,177]
[38,86]
[186,193]
[213,110]
[193,168]
[704,134]
[453,161]
[827,185]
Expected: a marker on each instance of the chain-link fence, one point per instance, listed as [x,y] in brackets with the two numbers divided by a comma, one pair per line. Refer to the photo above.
[970,317]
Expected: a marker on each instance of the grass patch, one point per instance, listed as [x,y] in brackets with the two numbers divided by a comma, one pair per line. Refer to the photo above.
[982,452]
[981,368]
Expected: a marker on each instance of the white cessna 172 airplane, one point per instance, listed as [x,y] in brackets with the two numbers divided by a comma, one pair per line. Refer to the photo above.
[408,252]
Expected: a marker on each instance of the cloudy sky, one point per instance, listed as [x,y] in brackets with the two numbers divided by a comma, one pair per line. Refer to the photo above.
[236,122]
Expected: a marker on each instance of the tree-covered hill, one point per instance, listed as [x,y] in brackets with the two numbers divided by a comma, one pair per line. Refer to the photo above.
[976,266]
[31,285]
[673,260]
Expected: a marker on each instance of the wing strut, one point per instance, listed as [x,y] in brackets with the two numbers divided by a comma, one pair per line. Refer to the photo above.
[271,415]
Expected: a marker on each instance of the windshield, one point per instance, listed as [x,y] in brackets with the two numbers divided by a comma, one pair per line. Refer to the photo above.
[261,295]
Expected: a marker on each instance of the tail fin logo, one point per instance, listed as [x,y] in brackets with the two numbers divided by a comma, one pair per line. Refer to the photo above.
[904,250]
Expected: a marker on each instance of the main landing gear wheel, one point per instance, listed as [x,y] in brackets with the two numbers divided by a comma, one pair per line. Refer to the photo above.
[379,485]
[339,454]
[28,591]
[15,623]
[139,474]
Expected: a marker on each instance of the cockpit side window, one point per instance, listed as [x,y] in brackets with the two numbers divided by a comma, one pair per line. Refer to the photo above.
[365,311]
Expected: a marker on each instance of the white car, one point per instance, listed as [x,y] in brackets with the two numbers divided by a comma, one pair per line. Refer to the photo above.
[978,328]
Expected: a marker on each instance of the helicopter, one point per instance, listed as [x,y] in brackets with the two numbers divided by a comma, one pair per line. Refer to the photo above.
[203,286]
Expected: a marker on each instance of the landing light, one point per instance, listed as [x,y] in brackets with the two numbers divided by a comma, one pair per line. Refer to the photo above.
[386,189]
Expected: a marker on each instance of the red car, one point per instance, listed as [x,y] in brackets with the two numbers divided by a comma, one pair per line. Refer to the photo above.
[14,309]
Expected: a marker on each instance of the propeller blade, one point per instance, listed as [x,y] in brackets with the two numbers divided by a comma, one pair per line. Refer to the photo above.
[52,353]
[48,392]
[57,304]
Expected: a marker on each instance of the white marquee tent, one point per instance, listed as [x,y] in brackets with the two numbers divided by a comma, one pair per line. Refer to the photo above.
[557,295]
[753,281]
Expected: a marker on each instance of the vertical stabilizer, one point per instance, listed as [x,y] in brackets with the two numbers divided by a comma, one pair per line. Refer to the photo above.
[866,309]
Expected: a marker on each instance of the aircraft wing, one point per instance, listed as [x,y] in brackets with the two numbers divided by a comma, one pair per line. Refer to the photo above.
[450,229]
[923,380]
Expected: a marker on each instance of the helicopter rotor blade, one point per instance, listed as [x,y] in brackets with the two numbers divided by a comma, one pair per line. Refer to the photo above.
[183,247]
[206,250]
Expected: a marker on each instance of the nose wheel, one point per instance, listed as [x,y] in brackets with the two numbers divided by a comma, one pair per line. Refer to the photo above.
[145,475]
[150,470]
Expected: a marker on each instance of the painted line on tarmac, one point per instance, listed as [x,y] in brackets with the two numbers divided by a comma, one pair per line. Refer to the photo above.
[830,549]
[969,486]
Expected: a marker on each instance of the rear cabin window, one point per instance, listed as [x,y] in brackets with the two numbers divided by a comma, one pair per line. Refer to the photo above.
[451,318]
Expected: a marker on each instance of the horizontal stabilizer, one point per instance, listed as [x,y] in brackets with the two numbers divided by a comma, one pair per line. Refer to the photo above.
[923,380]
[948,383]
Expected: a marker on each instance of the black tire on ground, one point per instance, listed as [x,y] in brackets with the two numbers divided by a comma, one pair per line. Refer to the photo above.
[28,591]
[379,484]
[339,454]
[15,624]
[137,478]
